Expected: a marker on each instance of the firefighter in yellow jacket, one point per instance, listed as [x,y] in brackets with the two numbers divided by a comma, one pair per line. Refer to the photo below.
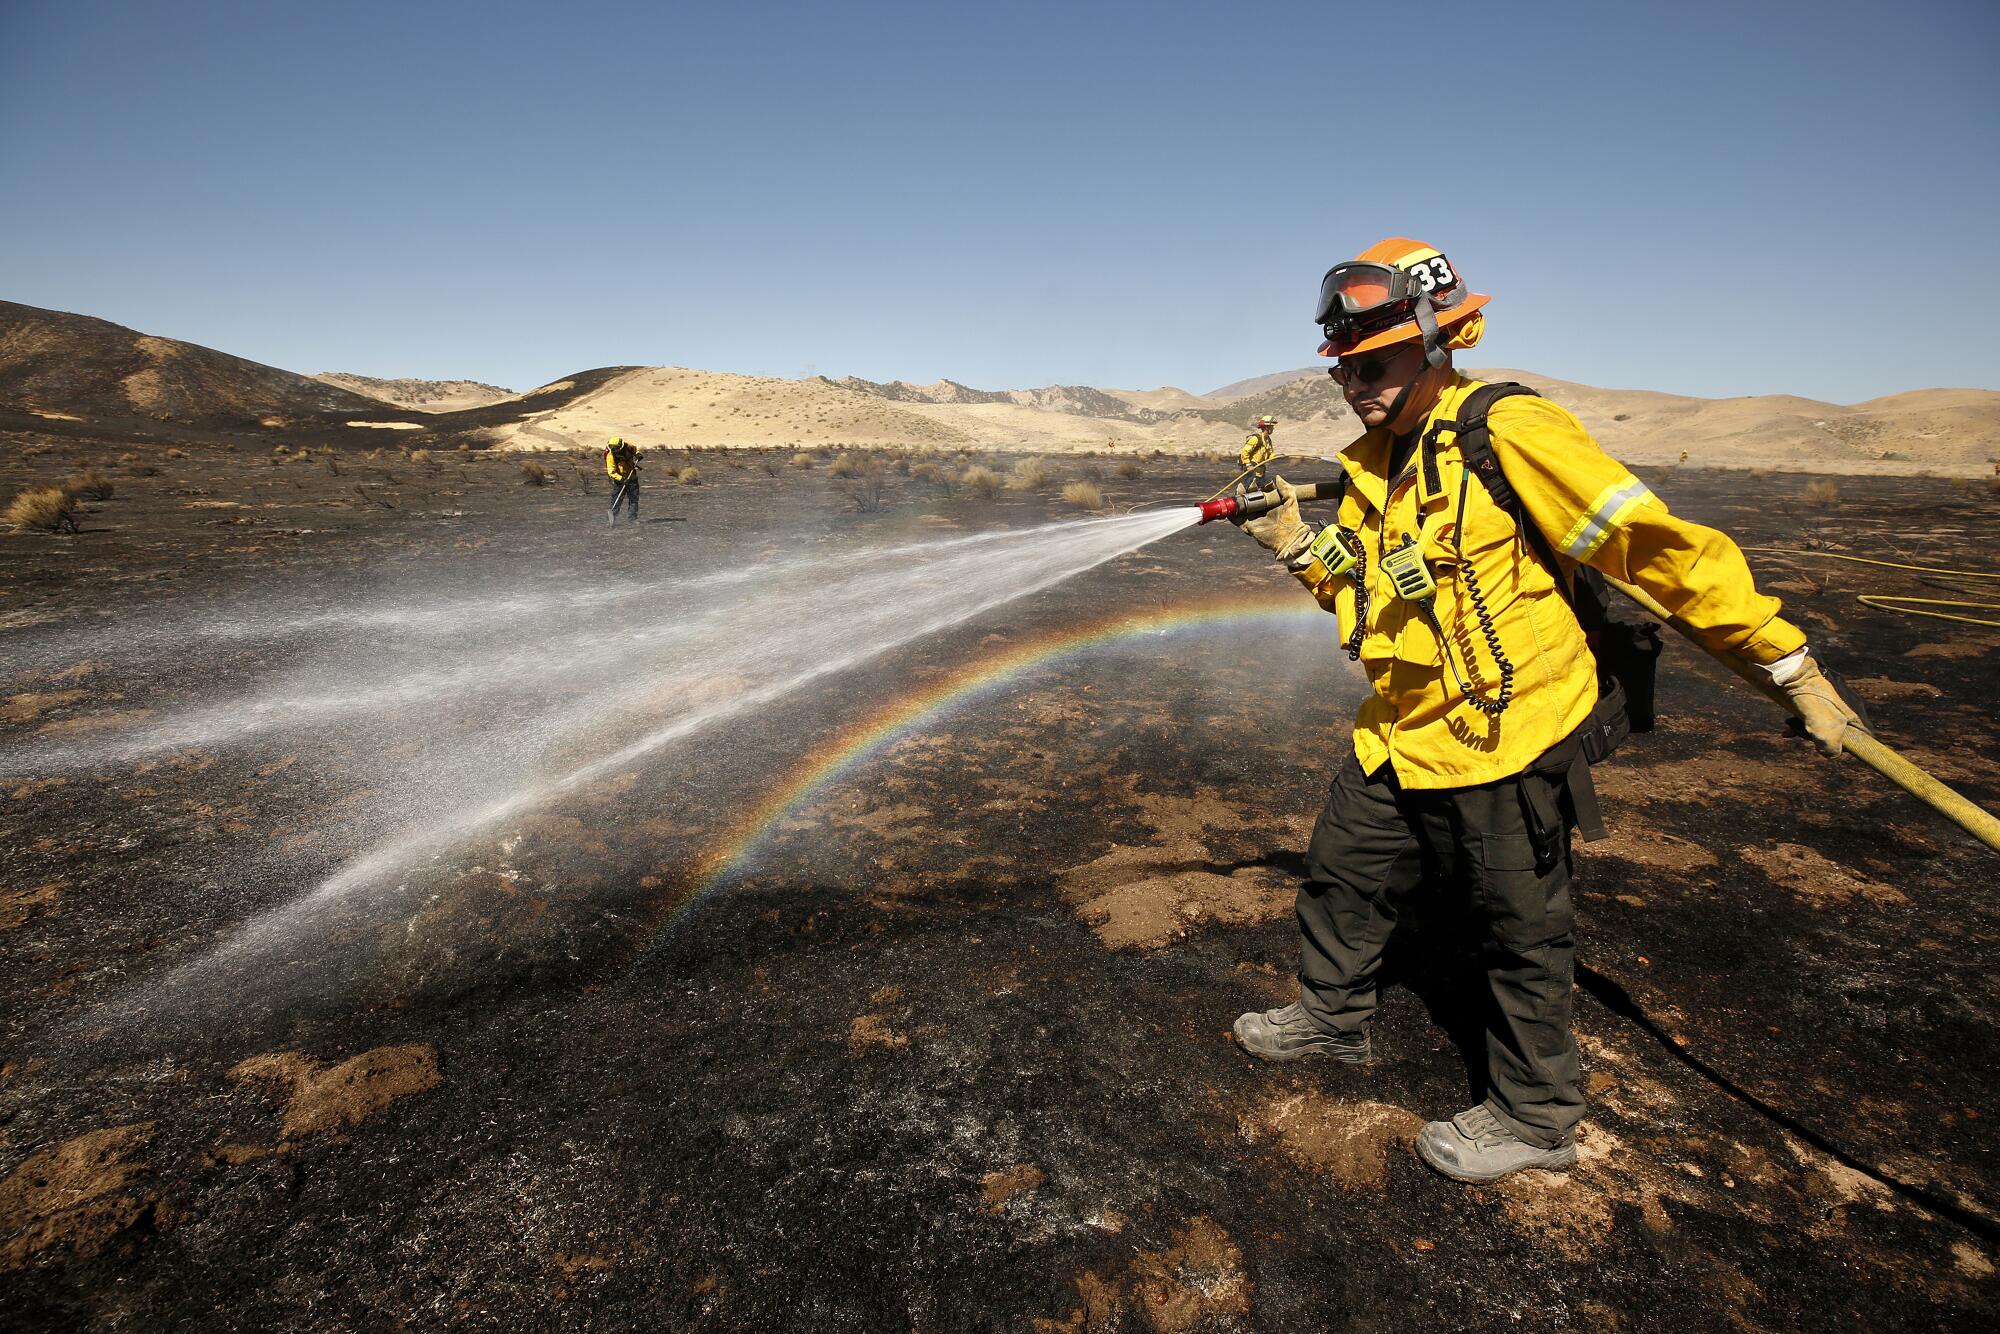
[1257,452]
[621,465]
[1468,749]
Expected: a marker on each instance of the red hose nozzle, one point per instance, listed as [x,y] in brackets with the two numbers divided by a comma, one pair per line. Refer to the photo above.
[1222,507]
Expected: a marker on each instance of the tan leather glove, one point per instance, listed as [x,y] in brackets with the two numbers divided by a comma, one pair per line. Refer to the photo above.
[1824,712]
[1280,531]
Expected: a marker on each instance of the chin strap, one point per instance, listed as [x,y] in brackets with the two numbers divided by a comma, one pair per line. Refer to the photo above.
[1396,406]
[1434,349]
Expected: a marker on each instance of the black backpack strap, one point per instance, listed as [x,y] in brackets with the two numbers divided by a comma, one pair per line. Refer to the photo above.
[1475,446]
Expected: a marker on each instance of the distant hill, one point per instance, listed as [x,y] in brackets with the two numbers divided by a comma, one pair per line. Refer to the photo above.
[74,374]
[1260,384]
[1292,398]
[1944,430]
[1167,398]
[1081,400]
[77,367]
[423,395]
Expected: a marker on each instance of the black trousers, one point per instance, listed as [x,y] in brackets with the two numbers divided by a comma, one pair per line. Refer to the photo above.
[1505,848]
[625,493]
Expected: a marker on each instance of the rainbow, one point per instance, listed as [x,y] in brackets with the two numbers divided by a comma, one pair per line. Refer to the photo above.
[920,709]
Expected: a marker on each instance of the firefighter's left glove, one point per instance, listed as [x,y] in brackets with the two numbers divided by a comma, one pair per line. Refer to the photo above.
[1825,714]
[1280,531]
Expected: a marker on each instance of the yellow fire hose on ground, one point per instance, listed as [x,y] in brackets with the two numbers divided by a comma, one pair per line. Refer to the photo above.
[1903,605]
[1974,819]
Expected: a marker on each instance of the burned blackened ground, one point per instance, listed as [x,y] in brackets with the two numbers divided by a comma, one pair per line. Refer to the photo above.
[854,1017]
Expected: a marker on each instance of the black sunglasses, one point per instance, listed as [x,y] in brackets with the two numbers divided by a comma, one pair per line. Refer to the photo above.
[1364,370]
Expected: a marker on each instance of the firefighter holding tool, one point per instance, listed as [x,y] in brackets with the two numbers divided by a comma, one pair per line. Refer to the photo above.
[621,464]
[1257,452]
[1460,565]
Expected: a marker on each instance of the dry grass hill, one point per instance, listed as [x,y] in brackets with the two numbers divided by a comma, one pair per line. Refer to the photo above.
[1258,384]
[71,372]
[73,367]
[422,395]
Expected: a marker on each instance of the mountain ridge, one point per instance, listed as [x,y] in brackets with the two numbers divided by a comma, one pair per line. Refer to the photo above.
[79,374]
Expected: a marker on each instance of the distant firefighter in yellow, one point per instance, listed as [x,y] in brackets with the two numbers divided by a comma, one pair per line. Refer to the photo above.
[1257,452]
[621,463]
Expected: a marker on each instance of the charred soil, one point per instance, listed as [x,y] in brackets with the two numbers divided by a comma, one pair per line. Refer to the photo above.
[944,1043]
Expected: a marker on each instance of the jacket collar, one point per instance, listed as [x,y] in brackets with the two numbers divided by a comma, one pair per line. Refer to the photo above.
[1366,460]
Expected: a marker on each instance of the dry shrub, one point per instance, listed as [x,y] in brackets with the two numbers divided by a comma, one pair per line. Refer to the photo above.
[866,491]
[843,466]
[770,467]
[36,451]
[689,477]
[376,453]
[982,482]
[89,484]
[533,473]
[420,456]
[1128,469]
[902,465]
[1084,495]
[44,509]
[802,460]
[128,458]
[1028,475]
[177,453]
[1823,493]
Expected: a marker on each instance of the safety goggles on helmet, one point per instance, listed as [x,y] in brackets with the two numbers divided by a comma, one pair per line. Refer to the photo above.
[1361,298]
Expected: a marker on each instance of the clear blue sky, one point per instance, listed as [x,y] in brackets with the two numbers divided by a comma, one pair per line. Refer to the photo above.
[1704,198]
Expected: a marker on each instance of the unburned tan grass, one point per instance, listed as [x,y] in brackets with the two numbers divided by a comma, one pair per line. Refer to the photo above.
[1084,495]
[42,509]
[89,484]
[982,482]
[1028,475]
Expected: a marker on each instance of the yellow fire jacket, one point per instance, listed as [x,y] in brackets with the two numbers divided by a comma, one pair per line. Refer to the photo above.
[1256,451]
[621,463]
[1591,510]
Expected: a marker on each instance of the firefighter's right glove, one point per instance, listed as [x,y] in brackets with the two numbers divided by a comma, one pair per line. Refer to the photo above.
[1825,714]
[1280,531]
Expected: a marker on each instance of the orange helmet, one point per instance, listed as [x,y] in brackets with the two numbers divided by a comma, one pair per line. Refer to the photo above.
[1394,291]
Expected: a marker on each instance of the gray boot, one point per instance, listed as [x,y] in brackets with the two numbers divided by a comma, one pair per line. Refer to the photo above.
[1287,1034]
[1476,1146]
